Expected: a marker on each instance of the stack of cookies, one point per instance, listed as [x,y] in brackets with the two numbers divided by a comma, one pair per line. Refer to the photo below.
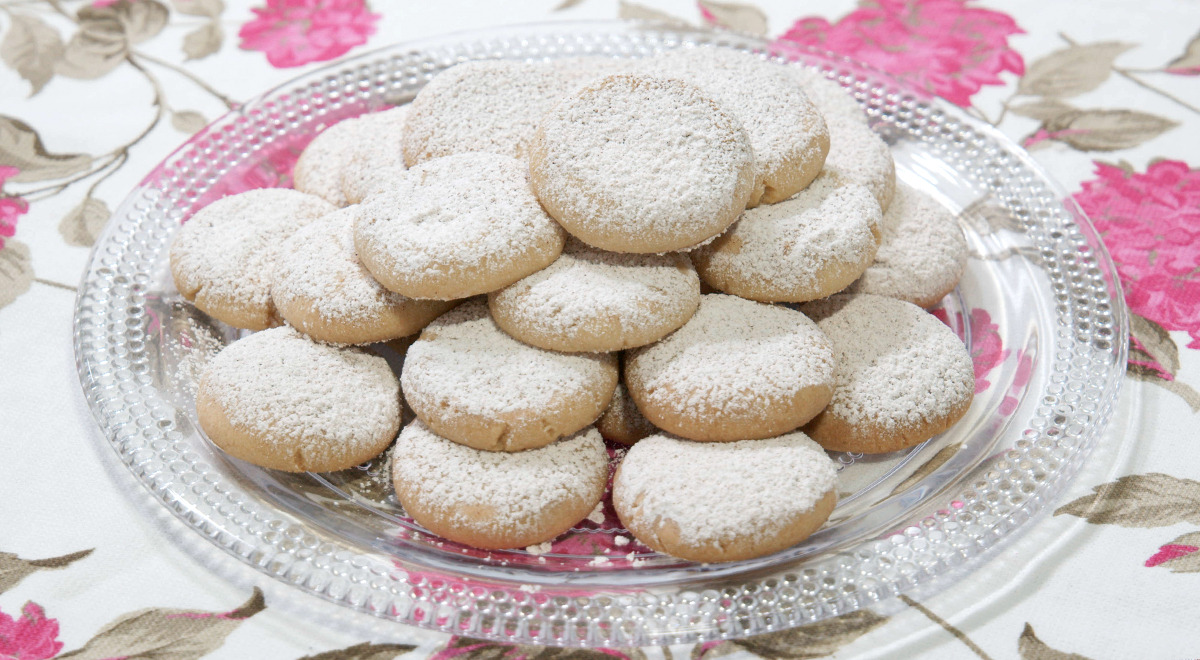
[704,255]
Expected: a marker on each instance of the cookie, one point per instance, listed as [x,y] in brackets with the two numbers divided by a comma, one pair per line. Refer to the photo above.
[491,106]
[362,143]
[737,370]
[830,98]
[902,375]
[787,132]
[223,257]
[592,300]
[805,248]
[623,423]
[494,500]
[923,253]
[472,383]
[456,227]
[280,400]
[634,163]
[321,289]
[717,502]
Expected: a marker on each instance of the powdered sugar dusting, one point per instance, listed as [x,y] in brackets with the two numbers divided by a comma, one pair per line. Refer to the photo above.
[650,162]
[786,251]
[923,253]
[831,99]
[860,154]
[279,384]
[623,422]
[226,252]
[463,360]
[898,366]
[734,357]
[380,145]
[717,492]
[453,480]
[372,140]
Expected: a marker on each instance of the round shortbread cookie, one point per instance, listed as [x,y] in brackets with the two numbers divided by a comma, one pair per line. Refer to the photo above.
[472,383]
[352,147]
[737,370]
[223,257]
[322,289]
[830,98]
[902,376]
[456,227]
[635,163]
[491,105]
[724,502]
[787,132]
[623,422]
[494,500]
[280,400]
[808,247]
[923,253]
[592,300]
[861,155]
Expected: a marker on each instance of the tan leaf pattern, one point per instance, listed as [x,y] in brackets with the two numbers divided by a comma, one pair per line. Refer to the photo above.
[735,16]
[364,651]
[814,640]
[1071,71]
[1032,648]
[466,648]
[203,41]
[31,48]
[208,8]
[97,48]
[1189,62]
[188,121]
[139,19]
[13,569]
[566,4]
[21,147]
[634,11]
[16,271]
[1156,342]
[986,216]
[1144,500]
[82,225]
[1107,130]
[1177,387]
[1184,563]
[1042,109]
[166,634]
[939,459]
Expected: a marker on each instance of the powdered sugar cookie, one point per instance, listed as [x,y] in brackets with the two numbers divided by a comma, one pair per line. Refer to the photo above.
[456,227]
[923,253]
[280,400]
[223,257]
[592,300]
[725,501]
[362,143]
[635,163]
[322,289]
[806,248]
[498,500]
[474,384]
[787,132]
[902,377]
[737,370]
[623,422]
[830,98]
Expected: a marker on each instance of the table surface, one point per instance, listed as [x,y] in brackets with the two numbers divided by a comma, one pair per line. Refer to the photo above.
[1106,96]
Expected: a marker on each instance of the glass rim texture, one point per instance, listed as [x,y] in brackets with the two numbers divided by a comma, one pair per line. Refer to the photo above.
[1053,325]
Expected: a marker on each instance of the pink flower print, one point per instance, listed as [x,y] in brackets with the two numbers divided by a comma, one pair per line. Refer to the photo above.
[11,207]
[30,637]
[987,349]
[1168,552]
[1150,223]
[296,32]
[943,46]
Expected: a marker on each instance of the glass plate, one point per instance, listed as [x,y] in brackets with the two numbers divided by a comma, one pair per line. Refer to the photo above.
[1038,308]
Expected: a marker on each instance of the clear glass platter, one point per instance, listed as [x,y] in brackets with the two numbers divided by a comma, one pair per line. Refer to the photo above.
[1038,308]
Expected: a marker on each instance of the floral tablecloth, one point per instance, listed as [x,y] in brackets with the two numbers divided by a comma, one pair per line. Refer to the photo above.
[1105,94]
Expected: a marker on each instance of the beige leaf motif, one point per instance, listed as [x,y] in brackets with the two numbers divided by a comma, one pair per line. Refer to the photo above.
[166,634]
[1041,109]
[1032,648]
[13,569]
[31,48]
[140,19]
[82,225]
[1189,563]
[16,271]
[466,648]
[814,640]
[736,16]
[21,147]
[1189,62]
[566,4]
[203,41]
[1107,130]
[209,8]
[364,651]
[1139,500]
[1071,71]
[188,121]
[939,459]
[986,216]
[1157,342]
[1177,387]
[97,48]
[634,11]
